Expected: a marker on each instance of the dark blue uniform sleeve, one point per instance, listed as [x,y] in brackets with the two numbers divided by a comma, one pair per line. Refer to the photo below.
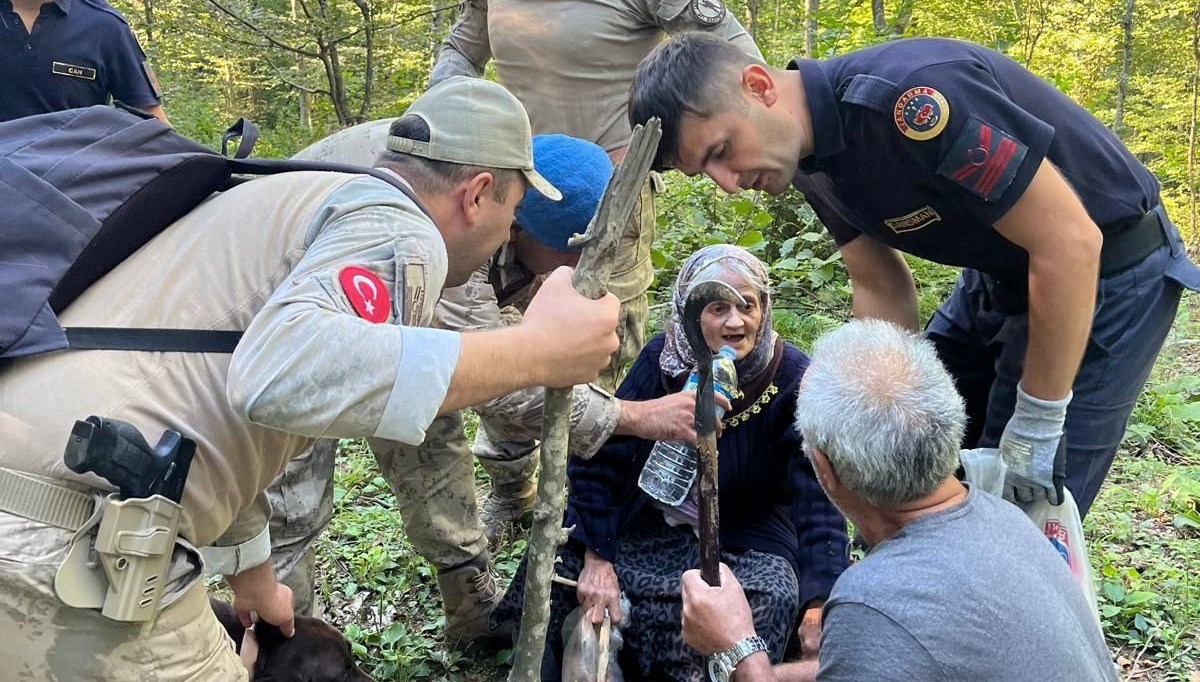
[820,528]
[601,485]
[126,72]
[960,128]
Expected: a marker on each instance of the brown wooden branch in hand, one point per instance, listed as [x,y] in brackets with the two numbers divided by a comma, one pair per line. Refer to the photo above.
[591,280]
[698,297]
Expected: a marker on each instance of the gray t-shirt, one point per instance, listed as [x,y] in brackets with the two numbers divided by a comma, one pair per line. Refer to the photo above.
[975,593]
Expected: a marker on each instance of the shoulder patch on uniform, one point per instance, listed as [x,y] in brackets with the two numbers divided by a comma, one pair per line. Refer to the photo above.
[367,293]
[414,293]
[984,159]
[708,12]
[921,113]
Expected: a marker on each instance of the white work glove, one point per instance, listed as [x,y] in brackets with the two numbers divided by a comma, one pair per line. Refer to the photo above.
[1034,449]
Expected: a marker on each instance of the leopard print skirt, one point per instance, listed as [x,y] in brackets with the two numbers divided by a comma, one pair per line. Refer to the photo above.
[651,558]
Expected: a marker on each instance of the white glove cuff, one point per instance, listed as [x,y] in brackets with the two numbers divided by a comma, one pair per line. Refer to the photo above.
[1039,408]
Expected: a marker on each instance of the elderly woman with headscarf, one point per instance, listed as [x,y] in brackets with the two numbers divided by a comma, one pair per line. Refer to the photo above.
[780,535]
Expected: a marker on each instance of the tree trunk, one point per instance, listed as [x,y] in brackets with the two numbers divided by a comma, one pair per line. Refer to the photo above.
[151,49]
[437,32]
[1191,165]
[369,58]
[752,7]
[878,17]
[810,28]
[303,113]
[903,18]
[1118,124]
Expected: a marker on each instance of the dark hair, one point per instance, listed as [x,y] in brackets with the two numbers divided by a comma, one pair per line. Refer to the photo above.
[692,73]
[429,176]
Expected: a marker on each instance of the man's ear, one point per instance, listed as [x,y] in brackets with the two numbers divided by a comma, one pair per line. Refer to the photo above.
[759,84]
[472,193]
[823,468]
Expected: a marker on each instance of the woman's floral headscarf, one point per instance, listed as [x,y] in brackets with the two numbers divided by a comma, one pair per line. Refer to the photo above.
[709,263]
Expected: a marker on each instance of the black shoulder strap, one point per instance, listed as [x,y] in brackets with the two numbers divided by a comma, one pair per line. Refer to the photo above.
[162,340]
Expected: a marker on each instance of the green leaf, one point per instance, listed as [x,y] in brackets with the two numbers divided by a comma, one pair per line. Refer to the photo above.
[1140,623]
[743,206]
[1189,412]
[786,248]
[811,236]
[394,633]
[1185,521]
[1114,592]
[658,258]
[761,219]
[751,238]
[1134,598]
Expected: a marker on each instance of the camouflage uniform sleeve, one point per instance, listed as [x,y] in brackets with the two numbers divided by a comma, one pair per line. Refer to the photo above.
[679,16]
[467,49]
[324,359]
[245,544]
[517,417]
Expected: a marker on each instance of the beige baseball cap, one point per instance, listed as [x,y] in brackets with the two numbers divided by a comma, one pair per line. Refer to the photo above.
[475,122]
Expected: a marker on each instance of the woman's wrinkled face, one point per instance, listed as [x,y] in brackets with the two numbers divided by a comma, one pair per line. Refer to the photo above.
[725,324]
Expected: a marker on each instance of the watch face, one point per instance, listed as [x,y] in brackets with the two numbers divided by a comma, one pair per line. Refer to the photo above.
[719,669]
[708,12]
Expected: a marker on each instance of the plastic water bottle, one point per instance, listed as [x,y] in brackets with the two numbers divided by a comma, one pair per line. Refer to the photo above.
[672,466]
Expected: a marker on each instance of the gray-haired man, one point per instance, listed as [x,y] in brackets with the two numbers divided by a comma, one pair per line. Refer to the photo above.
[958,584]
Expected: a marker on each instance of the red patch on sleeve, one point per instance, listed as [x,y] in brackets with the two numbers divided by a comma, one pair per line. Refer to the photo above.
[367,293]
[984,160]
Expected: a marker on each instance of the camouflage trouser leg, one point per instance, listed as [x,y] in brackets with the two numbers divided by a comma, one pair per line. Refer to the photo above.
[631,278]
[434,484]
[301,507]
[43,639]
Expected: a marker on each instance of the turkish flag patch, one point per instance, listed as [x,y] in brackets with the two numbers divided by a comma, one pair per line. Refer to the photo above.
[367,293]
[984,159]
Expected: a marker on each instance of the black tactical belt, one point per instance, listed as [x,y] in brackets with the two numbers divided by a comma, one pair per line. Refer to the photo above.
[1128,242]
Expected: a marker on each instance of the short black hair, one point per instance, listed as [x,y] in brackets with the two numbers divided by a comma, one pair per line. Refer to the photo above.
[430,176]
[687,74]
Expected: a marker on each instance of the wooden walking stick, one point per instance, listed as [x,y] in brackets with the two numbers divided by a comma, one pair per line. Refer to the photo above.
[698,297]
[590,279]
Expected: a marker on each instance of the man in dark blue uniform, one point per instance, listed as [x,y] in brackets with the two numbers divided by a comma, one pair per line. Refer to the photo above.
[70,53]
[955,153]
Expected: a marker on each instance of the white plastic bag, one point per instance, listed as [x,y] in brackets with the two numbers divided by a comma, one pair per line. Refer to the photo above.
[985,470]
[1064,529]
[581,653]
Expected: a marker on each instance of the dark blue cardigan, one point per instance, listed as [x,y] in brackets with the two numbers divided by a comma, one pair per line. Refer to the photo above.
[769,496]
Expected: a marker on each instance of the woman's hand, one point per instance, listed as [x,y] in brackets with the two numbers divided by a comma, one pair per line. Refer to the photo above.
[669,418]
[599,589]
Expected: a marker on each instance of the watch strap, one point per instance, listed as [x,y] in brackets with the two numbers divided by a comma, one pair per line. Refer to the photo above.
[722,664]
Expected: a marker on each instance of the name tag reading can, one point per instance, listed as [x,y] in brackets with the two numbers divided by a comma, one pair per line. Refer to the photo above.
[65,69]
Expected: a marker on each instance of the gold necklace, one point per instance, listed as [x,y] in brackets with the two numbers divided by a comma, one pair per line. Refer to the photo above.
[757,407]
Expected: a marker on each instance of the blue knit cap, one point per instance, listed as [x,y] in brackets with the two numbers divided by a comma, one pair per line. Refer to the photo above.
[580,170]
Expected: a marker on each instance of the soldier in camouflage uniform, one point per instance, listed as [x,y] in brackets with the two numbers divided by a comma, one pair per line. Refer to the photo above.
[434,483]
[571,62]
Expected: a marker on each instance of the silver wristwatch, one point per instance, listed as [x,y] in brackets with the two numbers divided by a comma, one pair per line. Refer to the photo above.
[722,664]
